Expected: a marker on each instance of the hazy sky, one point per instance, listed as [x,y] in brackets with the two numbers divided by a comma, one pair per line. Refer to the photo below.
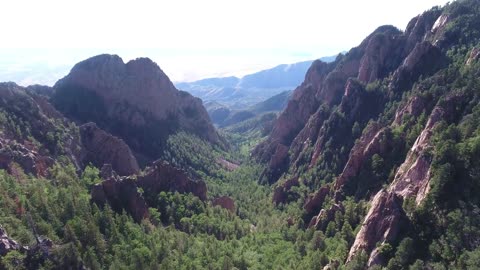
[42,40]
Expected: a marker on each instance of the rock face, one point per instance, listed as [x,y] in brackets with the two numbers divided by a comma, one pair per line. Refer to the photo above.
[6,243]
[359,116]
[382,224]
[47,134]
[290,122]
[320,222]
[103,148]
[161,176]
[414,107]
[123,193]
[424,59]
[135,101]
[229,166]
[474,56]
[314,203]
[385,217]
[225,202]
[370,143]
[38,135]
[29,159]
[304,124]
[281,193]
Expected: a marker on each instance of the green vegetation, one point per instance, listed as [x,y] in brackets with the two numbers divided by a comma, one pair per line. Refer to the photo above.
[184,232]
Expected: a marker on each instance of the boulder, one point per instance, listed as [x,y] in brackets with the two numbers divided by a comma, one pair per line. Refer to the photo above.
[7,244]
[225,202]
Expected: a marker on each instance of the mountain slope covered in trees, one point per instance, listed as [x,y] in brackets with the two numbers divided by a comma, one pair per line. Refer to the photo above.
[373,164]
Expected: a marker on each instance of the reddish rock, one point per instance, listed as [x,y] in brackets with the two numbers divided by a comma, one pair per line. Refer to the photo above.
[277,165]
[382,224]
[137,95]
[43,122]
[320,222]
[314,203]
[386,216]
[103,148]
[357,106]
[280,194]
[420,28]
[161,176]
[229,166]
[412,178]
[371,142]
[424,59]
[302,104]
[299,127]
[29,159]
[414,107]
[121,194]
[380,51]
[225,202]
[307,138]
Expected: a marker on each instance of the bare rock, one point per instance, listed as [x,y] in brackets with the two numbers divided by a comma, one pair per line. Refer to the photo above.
[414,107]
[104,148]
[382,223]
[161,176]
[314,203]
[277,164]
[320,222]
[121,194]
[228,165]
[474,56]
[424,59]
[290,122]
[135,101]
[380,50]
[24,155]
[7,244]
[385,217]
[281,192]
[225,202]
[371,142]
[135,194]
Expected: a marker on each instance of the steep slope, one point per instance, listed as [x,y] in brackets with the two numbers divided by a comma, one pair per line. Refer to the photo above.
[135,101]
[343,83]
[372,126]
[34,138]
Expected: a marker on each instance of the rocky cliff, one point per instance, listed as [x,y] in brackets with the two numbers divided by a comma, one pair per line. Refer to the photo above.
[362,126]
[34,136]
[102,148]
[302,125]
[135,101]
[135,194]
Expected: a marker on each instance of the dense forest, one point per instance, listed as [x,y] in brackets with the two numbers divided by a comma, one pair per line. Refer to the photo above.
[339,197]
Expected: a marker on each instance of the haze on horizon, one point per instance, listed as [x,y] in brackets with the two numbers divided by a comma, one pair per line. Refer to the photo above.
[189,40]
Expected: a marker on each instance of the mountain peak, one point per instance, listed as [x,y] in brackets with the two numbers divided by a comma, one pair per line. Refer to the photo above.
[138,95]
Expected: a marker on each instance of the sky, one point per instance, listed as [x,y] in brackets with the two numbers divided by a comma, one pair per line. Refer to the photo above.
[190,40]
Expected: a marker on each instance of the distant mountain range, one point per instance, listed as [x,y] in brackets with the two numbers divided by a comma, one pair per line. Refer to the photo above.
[223,116]
[239,93]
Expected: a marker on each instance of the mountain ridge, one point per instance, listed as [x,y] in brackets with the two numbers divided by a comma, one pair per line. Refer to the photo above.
[252,88]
